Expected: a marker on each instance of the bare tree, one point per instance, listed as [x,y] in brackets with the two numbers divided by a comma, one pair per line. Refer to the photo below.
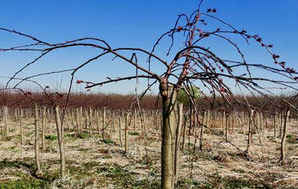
[194,64]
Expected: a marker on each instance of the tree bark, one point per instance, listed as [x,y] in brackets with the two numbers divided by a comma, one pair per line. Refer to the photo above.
[226,118]
[21,131]
[177,138]
[169,126]
[284,135]
[60,133]
[249,134]
[103,123]
[43,125]
[5,119]
[36,143]
[120,128]
[274,124]
[126,134]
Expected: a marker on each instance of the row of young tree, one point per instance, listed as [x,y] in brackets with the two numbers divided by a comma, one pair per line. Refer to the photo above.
[195,64]
[192,129]
[25,99]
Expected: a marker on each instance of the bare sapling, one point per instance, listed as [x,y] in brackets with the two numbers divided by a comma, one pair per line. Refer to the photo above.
[5,120]
[77,118]
[183,132]
[274,124]
[232,122]
[90,118]
[281,124]
[142,124]
[226,121]
[195,130]
[60,134]
[21,132]
[120,128]
[97,119]
[81,119]
[15,114]
[190,127]
[135,120]
[36,143]
[283,137]
[43,128]
[126,133]
[249,134]
[103,124]
[72,120]
[202,124]
[113,123]
[85,119]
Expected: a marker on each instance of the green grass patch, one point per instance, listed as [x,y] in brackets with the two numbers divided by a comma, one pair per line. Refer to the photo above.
[133,133]
[292,139]
[118,175]
[83,135]
[51,137]
[108,141]
[24,183]
[217,181]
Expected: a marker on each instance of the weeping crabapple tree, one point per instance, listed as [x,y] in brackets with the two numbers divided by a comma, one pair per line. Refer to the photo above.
[186,63]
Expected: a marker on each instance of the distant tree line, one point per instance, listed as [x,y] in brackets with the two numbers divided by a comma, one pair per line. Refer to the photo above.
[120,101]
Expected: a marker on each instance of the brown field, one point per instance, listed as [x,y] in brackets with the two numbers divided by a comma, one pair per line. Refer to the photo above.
[96,157]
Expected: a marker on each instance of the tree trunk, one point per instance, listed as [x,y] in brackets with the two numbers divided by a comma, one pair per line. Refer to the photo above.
[36,143]
[169,126]
[103,123]
[284,135]
[21,131]
[5,119]
[226,118]
[77,115]
[43,123]
[97,122]
[280,125]
[177,138]
[60,133]
[135,119]
[249,134]
[202,131]
[274,124]
[126,134]
[120,133]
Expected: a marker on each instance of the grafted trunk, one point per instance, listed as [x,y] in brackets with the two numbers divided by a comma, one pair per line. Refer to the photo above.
[169,126]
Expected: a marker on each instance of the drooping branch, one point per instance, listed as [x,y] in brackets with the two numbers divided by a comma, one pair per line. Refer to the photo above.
[91,84]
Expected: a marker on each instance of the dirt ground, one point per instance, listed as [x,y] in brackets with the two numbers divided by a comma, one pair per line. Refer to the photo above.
[94,162]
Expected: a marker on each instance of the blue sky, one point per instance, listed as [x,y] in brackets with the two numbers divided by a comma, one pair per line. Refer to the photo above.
[132,23]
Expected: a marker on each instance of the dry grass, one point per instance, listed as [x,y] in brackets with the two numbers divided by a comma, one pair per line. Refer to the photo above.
[96,163]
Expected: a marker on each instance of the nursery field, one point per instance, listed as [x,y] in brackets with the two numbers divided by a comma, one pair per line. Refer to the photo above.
[118,149]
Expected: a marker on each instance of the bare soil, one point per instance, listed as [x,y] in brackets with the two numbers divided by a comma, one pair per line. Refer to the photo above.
[94,162]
